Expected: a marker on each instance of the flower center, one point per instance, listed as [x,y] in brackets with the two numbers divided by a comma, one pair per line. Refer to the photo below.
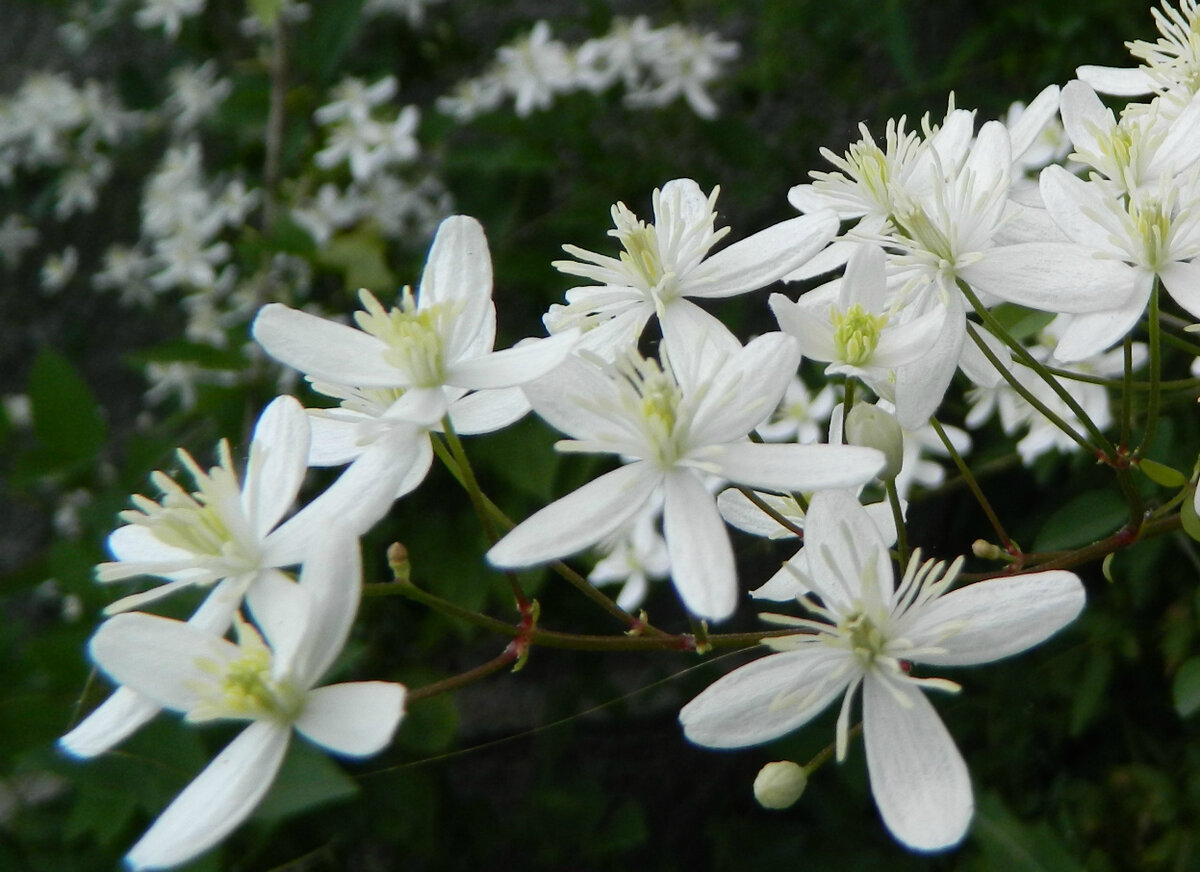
[856,333]
[1151,222]
[414,336]
[654,401]
[209,523]
[864,639]
[642,256]
[244,687]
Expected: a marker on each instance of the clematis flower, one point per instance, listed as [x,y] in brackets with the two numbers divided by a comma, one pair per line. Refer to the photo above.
[1170,64]
[674,427]
[664,263]
[227,536]
[268,679]
[407,367]
[867,632]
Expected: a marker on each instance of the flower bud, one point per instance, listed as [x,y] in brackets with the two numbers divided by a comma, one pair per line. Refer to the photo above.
[876,428]
[778,785]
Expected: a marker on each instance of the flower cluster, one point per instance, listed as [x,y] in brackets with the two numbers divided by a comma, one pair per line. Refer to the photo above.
[654,65]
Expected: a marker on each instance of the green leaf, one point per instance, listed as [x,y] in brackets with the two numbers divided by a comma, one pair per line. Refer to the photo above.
[1160,473]
[308,779]
[1091,691]
[1021,323]
[67,422]
[1088,517]
[359,256]
[266,11]
[1011,845]
[1185,689]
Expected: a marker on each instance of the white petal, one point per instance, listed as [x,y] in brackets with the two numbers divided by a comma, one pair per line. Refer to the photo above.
[845,551]
[579,519]
[765,257]
[361,496]
[1033,120]
[737,510]
[1117,81]
[921,385]
[135,544]
[356,719]
[1051,276]
[998,617]
[337,437]
[1087,121]
[283,611]
[1182,281]
[1090,334]
[809,324]
[702,566]
[458,272]
[221,797]
[1075,206]
[739,391]
[110,723]
[278,462]
[695,342]
[780,466]
[918,778]
[324,350]
[513,366]
[159,658]
[332,576]
[488,411]
[768,698]
[570,399]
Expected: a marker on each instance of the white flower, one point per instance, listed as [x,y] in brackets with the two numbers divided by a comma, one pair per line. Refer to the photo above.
[59,269]
[1151,233]
[167,14]
[683,62]
[409,366]
[196,93]
[674,427]
[1170,64]
[632,556]
[17,236]
[801,416]
[535,68]
[269,678]
[664,263]
[857,330]
[228,536]
[868,632]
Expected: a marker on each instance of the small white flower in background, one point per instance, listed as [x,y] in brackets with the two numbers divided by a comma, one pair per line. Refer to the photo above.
[618,56]
[180,380]
[268,679]
[683,63]
[472,97]
[674,428]
[58,270]
[868,632]
[412,10]
[534,69]
[632,556]
[331,210]
[404,369]
[801,416]
[196,94]
[664,263]
[287,11]
[18,408]
[17,236]
[79,186]
[354,100]
[167,14]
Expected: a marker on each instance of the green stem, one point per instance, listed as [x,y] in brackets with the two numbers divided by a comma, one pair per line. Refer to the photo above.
[1028,395]
[1037,366]
[1152,401]
[969,478]
[1127,395]
[454,682]
[898,518]
[770,512]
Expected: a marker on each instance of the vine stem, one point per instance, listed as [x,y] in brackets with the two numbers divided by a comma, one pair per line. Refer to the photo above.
[1034,364]
[969,478]
[1152,401]
[635,624]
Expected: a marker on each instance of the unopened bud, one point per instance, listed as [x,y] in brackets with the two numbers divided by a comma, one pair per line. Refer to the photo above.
[778,785]
[986,550]
[397,557]
[875,428]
